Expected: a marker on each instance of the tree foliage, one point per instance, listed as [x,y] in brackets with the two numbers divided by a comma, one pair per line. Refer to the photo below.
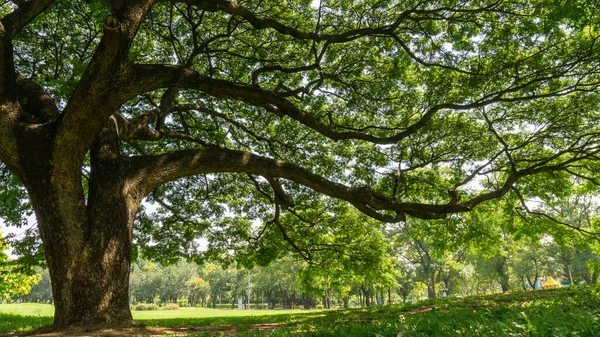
[15,279]
[226,114]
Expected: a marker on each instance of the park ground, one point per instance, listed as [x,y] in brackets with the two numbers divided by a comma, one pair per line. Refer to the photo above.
[573,311]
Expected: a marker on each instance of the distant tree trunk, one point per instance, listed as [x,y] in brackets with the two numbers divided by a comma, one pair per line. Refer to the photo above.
[360,299]
[503,273]
[570,276]
[366,295]
[346,301]
[285,298]
[505,282]
[431,294]
[523,284]
[306,300]
[269,297]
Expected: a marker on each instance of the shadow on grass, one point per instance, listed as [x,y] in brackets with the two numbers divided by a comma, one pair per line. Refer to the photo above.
[16,323]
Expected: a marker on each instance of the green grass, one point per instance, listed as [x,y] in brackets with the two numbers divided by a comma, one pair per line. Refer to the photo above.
[563,312]
[18,323]
[203,312]
[28,309]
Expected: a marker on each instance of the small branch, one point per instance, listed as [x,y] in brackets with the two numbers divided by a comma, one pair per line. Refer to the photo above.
[305,254]
[281,197]
[594,235]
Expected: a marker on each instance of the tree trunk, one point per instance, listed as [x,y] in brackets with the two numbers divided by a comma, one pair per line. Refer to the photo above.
[269,297]
[431,287]
[503,272]
[87,244]
[89,269]
[366,295]
[307,301]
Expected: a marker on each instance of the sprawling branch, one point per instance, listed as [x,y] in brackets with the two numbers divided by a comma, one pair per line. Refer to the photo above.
[524,210]
[414,14]
[150,172]
[143,78]
[99,85]
[268,23]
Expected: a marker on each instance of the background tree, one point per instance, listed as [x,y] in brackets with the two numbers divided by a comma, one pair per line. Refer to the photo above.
[218,280]
[198,291]
[212,106]
[15,279]
[41,292]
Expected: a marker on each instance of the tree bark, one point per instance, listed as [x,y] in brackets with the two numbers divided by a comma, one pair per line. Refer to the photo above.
[89,265]
[431,287]
[87,244]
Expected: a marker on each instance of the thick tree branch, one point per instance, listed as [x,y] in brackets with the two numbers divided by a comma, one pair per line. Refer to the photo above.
[268,23]
[143,78]
[415,14]
[150,172]
[12,23]
[99,85]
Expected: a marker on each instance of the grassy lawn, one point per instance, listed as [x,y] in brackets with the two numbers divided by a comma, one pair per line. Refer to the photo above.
[561,312]
[29,316]
[33,309]
[28,309]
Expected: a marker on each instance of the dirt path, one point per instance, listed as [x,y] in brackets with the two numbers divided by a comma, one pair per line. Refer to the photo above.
[226,330]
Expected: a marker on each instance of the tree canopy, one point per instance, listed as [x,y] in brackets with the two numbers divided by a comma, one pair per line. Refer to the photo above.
[225,114]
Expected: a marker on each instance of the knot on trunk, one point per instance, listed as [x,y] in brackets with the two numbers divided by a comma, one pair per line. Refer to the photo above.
[111,23]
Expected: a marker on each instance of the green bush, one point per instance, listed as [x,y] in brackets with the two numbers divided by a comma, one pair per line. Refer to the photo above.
[146,307]
[170,307]
[320,306]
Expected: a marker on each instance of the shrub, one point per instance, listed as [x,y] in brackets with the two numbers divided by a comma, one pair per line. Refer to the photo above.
[170,307]
[320,306]
[146,307]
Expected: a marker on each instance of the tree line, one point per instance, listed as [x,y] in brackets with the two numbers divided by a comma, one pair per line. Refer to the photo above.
[414,271]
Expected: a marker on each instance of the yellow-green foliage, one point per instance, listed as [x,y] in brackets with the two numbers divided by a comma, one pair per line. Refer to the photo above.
[13,282]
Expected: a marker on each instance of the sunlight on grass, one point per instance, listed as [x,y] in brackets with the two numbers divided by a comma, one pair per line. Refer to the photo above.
[206,312]
[28,309]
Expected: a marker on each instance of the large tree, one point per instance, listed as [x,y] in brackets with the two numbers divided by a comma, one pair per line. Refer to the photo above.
[394,106]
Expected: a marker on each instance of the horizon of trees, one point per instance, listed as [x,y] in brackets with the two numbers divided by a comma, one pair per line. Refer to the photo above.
[289,283]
